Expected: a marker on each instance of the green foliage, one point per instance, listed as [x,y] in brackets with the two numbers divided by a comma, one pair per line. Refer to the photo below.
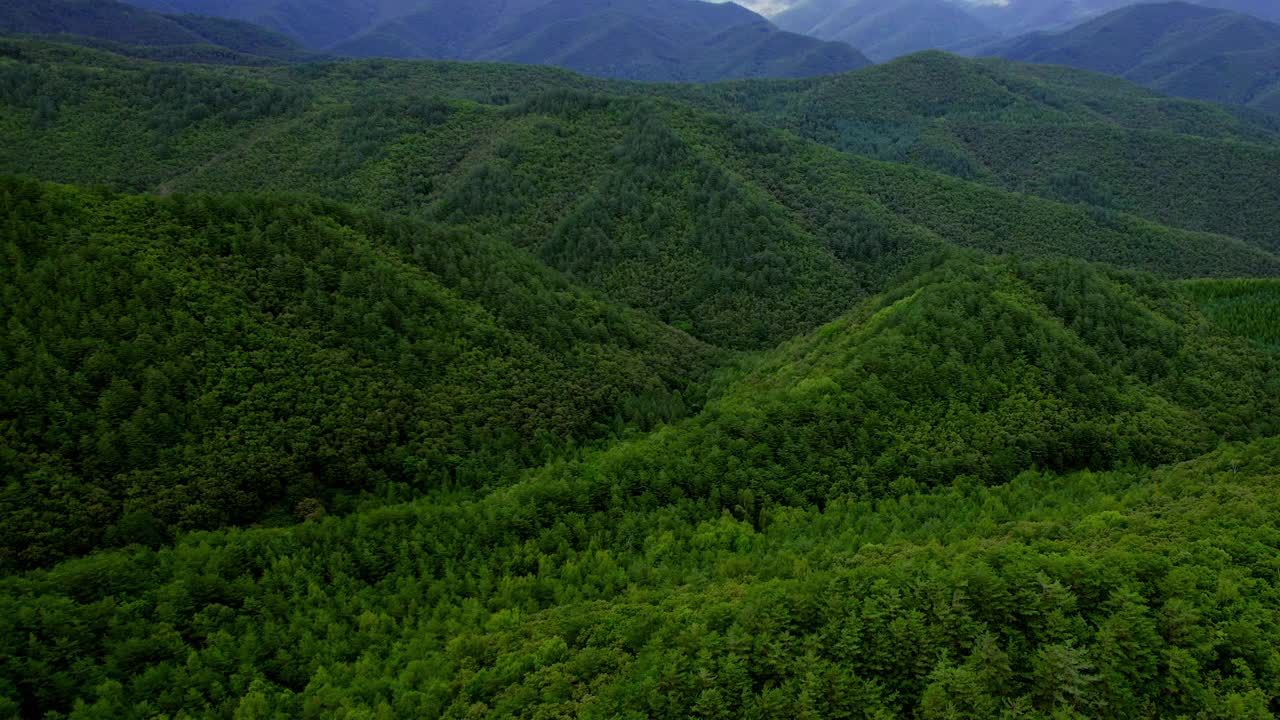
[274,456]
[1112,595]
[198,362]
[742,234]
[1249,308]
[1175,162]
[1030,128]
[971,370]
[820,540]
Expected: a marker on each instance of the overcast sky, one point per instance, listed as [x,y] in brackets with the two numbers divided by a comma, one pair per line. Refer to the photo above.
[773,7]
[767,7]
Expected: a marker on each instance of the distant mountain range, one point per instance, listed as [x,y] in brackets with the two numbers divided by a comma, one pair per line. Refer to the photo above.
[885,29]
[1021,16]
[664,40]
[1174,47]
[170,37]
[1178,48]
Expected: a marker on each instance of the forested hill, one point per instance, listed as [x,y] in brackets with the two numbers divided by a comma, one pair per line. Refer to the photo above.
[196,362]
[1173,47]
[819,539]
[1105,142]
[136,31]
[972,368]
[742,234]
[939,390]
[1246,307]
[1054,131]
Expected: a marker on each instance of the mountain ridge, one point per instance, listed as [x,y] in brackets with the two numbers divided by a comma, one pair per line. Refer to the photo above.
[885,29]
[667,40]
[1173,47]
[744,232]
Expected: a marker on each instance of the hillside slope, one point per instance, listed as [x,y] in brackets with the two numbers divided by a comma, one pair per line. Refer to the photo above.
[694,571]
[1248,308]
[741,234]
[1202,167]
[1173,47]
[973,368]
[456,390]
[1105,142]
[198,362]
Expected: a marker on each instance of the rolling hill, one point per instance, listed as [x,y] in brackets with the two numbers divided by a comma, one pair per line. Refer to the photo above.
[788,549]
[943,389]
[1057,132]
[1022,16]
[286,354]
[1175,48]
[737,232]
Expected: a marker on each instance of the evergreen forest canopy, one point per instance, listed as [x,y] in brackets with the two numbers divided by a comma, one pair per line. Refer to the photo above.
[385,389]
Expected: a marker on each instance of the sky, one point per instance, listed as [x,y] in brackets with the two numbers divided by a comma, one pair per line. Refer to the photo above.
[767,7]
[773,7]
[764,7]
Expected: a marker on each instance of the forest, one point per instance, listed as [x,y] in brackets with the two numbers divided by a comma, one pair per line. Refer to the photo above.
[403,389]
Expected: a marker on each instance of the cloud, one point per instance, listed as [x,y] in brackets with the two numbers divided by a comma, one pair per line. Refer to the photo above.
[769,8]
[773,7]
[765,7]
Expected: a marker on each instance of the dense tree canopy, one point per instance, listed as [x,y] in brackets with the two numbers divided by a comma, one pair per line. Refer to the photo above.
[740,233]
[460,391]
[661,578]
[197,362]
[1249,308]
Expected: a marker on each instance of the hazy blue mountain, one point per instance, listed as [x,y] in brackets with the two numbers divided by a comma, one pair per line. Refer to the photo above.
[1175,47]
[1265,9]
[685,40]
[885,29]
[315,23]
[114,22]
[1021,16]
